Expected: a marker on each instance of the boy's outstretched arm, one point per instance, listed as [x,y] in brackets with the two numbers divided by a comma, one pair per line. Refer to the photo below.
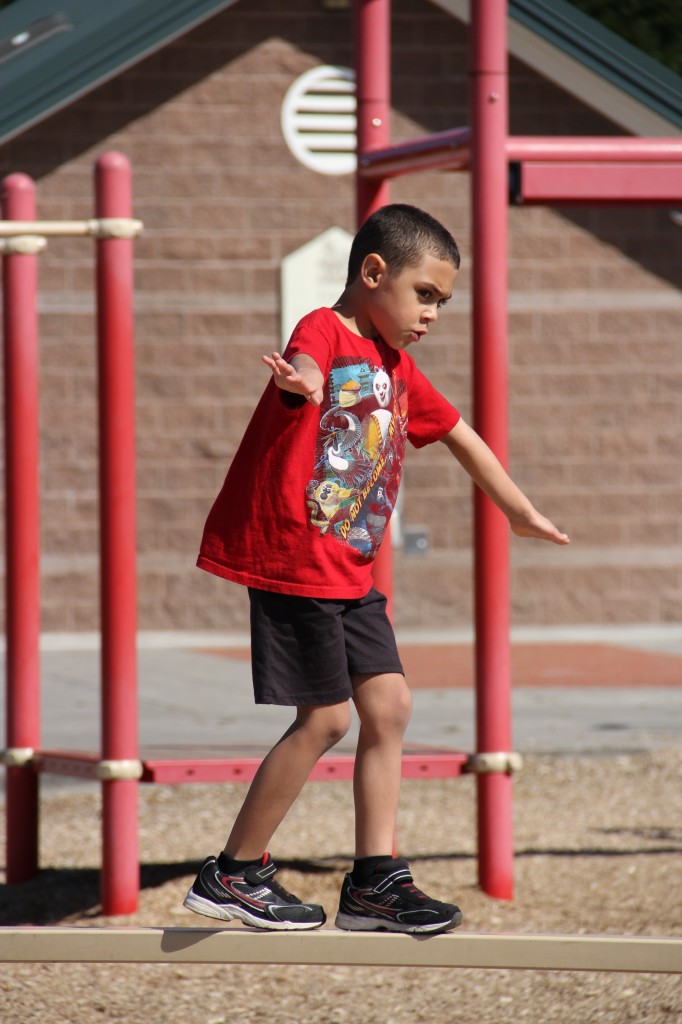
[486,470]
[302,376]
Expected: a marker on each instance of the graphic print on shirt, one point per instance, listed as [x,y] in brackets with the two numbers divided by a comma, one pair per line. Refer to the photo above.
[358,454]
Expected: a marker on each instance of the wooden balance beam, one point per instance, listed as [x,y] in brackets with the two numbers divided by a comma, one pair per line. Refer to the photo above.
[238,946]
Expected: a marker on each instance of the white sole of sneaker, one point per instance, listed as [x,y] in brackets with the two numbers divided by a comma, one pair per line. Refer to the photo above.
[230,912]
[351,923]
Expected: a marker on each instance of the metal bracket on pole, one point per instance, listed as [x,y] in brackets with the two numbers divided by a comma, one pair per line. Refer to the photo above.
[111,771]
[95,227]
[22,245]
[17,757]
[505,763]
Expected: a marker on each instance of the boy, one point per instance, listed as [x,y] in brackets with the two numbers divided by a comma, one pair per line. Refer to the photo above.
[299,520]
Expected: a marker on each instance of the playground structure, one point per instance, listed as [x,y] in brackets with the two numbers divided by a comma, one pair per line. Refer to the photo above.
[549,170]
[114,229]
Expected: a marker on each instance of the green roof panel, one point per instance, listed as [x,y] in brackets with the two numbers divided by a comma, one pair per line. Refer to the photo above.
[52,51]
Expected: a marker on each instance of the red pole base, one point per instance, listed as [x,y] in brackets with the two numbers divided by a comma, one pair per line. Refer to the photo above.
[495,839]
[120,865]
[21,814]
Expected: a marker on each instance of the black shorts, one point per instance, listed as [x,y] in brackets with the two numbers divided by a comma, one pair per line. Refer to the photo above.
[306,650]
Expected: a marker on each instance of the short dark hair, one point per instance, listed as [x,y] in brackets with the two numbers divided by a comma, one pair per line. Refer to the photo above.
[401,235]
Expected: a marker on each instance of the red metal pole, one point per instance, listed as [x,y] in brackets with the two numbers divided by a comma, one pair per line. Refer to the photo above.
[373,94]
[22,516]
[120,864]
[489,114]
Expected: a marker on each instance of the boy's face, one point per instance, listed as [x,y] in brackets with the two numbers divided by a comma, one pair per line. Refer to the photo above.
[403,307]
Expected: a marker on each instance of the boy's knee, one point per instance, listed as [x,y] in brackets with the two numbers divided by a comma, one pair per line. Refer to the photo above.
[329,724]
[338,727]
[402,708]
[386,710]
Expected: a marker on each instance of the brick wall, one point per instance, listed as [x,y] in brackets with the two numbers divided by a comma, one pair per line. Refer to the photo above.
[594,329]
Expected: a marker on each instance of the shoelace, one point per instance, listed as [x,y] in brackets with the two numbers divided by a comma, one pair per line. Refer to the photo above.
[414,891]
[280,891]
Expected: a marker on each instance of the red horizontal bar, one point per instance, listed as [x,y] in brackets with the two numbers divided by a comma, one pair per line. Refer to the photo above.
[67,762]
[434,766]
[441,151]
[329,769]
[550,183]
[595,149]
[164,769]
[175,771]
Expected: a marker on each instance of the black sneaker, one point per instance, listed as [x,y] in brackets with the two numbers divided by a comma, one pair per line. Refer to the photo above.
[251,896]
[390,901]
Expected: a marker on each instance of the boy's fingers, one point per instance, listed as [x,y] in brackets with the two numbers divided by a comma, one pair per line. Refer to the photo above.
[278,365]
[282,365]
[556,535]
[542,530]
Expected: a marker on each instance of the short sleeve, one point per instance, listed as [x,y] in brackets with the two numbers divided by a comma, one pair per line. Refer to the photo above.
[309,337]
[429,415]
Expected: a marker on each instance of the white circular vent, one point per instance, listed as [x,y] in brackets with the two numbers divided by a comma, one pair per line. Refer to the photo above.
[318,120]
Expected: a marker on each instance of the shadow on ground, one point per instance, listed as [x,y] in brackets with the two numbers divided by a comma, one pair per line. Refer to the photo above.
[59,893]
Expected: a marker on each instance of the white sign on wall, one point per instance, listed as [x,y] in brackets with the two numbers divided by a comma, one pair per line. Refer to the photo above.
[313,276]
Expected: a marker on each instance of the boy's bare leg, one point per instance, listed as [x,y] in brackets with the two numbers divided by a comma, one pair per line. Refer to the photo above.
[384,706]
[281,777]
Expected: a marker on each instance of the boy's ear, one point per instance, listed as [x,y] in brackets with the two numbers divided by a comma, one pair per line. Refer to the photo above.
[372,270]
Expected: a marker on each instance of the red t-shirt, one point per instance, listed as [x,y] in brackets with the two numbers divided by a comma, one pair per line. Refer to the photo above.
[310,491]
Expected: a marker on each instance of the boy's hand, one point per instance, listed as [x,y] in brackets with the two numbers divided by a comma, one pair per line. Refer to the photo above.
[538,526]
[302,376]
